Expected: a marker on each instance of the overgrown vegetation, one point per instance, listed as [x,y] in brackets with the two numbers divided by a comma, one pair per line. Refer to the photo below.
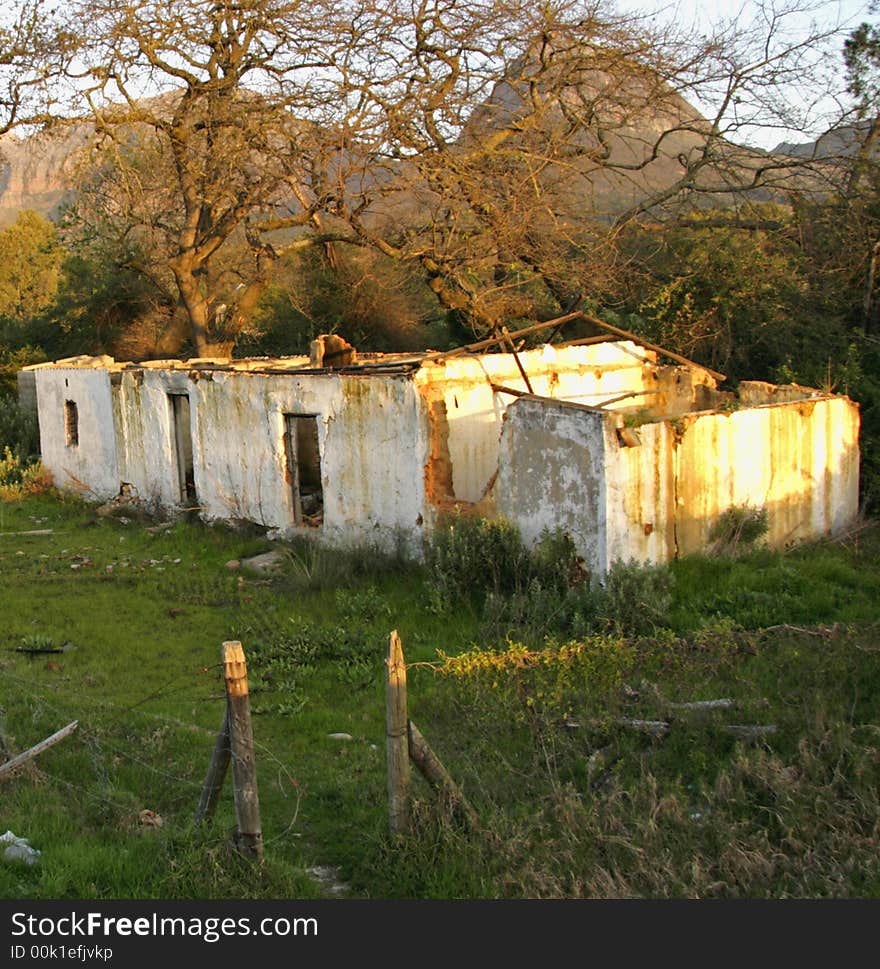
[19,431]
[543,728]
[21,472]
[485,565]
[739,526]
[19,478]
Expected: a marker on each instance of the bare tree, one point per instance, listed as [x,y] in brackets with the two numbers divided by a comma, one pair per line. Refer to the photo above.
[33,51]
[211,116]
[499,146]
[523,147]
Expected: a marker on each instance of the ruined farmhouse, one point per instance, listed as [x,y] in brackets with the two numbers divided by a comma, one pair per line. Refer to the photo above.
[633,457]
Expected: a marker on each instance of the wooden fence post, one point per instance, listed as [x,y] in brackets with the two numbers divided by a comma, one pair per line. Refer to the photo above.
[241,736]
[396,734]
[216,772]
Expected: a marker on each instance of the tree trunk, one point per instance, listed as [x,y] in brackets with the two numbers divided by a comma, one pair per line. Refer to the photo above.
[870,302]
[173,337]
[194,303]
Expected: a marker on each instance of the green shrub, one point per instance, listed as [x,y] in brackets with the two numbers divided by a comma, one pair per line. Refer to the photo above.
[555,563]
[13,359]
[538,592]
[471,557]
[18,478]
[528,593]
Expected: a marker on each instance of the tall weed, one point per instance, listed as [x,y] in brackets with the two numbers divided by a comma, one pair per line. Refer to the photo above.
[470,557]
[739,528]
[636,599]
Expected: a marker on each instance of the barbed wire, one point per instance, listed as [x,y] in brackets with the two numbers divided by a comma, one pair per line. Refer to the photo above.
[118,713]
[36,689]
[101,737]
[157,694]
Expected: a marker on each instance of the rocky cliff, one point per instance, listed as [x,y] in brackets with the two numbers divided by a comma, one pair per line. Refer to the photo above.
[36,172]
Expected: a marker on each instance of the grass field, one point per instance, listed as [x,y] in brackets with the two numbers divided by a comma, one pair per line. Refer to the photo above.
[563,727]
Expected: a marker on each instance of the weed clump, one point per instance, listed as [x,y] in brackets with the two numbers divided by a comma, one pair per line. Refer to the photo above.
[20,470]
[472,557]
[636,599]
[739,527]
[312,566]
[18,429]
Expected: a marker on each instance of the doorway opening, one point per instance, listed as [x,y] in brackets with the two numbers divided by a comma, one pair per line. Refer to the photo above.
[183,448]
[304,468]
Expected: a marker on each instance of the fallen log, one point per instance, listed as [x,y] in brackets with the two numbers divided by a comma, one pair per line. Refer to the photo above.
[747,731]
[700,706]
[656,728]
[743,731]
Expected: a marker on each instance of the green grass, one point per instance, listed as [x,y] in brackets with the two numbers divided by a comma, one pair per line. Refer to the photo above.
[145,614]
[532,721]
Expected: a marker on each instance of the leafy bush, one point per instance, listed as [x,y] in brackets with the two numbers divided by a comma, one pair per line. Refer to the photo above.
[13,359]
[20,470]
[540,591]
[538,611]
[555,563]
[634,600]
[471,557]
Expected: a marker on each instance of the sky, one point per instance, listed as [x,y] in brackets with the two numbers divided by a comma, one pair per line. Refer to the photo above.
[814,96]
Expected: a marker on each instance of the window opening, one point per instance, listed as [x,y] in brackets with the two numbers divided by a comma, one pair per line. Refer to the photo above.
[71,423]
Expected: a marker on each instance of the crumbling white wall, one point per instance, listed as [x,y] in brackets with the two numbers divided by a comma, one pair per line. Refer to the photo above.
[396,449]
[144,431]
[90,466]
[371,434]
[551,475]
[662,496]
[372,441]
[799,460]
[641,507]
